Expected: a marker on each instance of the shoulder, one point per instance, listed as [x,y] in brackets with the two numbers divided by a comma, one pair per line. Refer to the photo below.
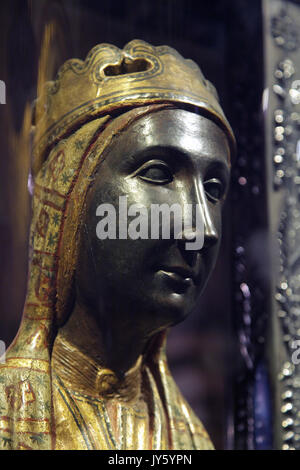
[197,429]
[25,404]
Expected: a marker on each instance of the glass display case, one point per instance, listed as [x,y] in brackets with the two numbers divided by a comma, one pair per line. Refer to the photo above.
[235,358]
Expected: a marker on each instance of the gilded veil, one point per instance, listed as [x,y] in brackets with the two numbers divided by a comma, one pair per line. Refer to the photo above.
[76,118]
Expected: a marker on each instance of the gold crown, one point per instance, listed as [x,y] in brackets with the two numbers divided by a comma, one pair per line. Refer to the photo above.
[110,79]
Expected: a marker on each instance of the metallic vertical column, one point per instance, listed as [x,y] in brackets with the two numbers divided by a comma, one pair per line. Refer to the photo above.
[282,140]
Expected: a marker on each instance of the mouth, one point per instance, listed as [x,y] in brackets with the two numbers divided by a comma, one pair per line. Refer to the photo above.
[180,278]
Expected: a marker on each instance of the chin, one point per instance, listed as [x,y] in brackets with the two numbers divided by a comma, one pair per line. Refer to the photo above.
[174,308]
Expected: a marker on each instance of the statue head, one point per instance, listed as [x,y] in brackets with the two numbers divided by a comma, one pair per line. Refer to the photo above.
[168,159]
[157,137]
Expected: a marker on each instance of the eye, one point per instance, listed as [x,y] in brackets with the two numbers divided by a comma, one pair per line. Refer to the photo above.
[156,172]
[214,189]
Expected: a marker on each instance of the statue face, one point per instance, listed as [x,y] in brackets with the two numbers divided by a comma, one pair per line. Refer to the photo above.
[145,285]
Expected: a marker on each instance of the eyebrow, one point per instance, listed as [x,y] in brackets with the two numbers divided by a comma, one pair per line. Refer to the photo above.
[180,154]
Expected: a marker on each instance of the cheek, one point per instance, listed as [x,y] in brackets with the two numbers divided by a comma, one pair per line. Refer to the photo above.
[125,264]
[116,261]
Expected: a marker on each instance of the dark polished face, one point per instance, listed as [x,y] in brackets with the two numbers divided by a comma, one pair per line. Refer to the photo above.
[145,285]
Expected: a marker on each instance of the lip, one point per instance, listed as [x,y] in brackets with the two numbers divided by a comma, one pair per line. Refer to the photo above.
[179,272]
[179,278]
[176,281]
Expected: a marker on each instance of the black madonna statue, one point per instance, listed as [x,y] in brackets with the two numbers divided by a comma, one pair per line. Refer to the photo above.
[138,127]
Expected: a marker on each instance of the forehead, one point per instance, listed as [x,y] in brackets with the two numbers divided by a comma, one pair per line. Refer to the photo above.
[180,129]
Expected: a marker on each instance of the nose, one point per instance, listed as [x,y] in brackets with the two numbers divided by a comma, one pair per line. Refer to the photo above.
[197,196]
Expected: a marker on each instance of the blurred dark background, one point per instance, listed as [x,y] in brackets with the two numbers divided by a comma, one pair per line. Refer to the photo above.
[208,352]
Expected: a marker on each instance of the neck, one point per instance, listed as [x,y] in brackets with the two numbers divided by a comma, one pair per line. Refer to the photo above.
[98,362]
